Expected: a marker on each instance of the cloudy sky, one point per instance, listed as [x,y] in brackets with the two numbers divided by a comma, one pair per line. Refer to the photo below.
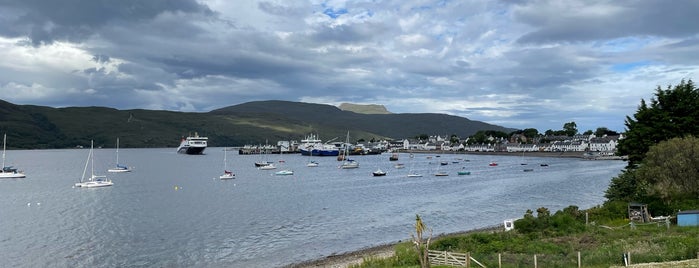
[518,64]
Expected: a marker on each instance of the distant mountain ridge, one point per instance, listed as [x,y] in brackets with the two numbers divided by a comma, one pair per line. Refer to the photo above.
[364,108]
[258,122]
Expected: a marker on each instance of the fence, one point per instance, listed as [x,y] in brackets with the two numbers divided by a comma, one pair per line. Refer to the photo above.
[465,259]
[451,258]
[514,260]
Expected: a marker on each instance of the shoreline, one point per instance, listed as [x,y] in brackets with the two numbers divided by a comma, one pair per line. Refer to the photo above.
[345,259]
[566,154]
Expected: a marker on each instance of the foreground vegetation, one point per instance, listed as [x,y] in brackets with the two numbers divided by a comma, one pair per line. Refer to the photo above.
[557,239]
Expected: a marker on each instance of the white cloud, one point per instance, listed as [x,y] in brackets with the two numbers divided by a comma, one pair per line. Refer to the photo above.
[518,64]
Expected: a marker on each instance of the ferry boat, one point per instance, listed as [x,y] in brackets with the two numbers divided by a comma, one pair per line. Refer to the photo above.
[192,145]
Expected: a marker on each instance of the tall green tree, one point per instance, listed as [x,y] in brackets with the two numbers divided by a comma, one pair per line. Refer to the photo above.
[673,112]
[670,170]
[570,128]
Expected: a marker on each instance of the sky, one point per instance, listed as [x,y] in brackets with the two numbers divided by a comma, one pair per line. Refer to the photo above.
[517,63]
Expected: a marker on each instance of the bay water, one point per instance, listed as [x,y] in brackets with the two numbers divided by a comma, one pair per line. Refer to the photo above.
[173,211]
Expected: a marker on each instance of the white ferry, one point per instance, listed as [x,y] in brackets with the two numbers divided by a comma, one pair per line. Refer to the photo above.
[192,145]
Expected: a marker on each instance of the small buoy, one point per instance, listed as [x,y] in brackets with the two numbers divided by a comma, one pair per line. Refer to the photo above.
[38,203]
[29,204]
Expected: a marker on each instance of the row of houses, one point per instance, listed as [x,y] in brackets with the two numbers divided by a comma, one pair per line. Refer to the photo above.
[605,145]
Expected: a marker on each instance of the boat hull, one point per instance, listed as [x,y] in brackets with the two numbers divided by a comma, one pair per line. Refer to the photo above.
[11,175]
[227,177]
[118,170]
[317,152]
[191,150]
[94,184]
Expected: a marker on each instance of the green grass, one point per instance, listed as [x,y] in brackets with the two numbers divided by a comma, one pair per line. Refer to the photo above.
[599,247]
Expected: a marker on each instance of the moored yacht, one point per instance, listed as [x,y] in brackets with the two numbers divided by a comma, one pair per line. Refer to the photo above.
[193,145]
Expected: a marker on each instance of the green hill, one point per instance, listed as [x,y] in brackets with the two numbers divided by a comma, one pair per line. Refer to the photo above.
[29,126]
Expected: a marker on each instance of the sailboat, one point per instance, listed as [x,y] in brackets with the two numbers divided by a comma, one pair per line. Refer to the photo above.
[310,156]
[8,172]
[93,180]
[227,174]
[411,173]
[346,162]
[119,167]
[441,173]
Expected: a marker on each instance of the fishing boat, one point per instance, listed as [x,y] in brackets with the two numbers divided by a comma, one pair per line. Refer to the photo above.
[311,145]
[193,145]
[441,174]
[464,172]
[93,181]
[8,172]
[414,175]
[393,157]
[119,167]
[528,169]
[284,172]
[493,164]
[227,174]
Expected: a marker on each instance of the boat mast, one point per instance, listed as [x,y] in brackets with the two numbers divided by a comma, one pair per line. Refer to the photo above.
[4,138]
[87,161]
[92,160]
[117,152]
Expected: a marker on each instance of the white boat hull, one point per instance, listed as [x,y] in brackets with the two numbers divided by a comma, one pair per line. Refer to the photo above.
[11,175]
[267,167]
[227,177]
[94,184]
[284,172]
[118,170]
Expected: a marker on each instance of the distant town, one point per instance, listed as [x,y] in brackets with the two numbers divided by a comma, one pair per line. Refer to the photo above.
[588,145]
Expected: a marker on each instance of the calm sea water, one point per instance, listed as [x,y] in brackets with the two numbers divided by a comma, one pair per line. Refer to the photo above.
[172,211]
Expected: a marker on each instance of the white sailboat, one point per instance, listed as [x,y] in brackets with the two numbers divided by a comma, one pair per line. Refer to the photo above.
[8,172]
[346,162]
[411,173]
[93,181]
[227,174]
[119,167]
[311,163]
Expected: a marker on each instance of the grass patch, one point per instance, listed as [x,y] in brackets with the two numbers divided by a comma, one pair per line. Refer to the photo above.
[599,247]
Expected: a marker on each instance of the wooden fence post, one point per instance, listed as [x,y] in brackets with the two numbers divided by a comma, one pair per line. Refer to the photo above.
[468,259]
[500,259]
[629,254]
[535,264]
[579,263]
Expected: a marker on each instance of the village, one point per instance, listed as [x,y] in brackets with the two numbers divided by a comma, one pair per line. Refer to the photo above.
[589,146]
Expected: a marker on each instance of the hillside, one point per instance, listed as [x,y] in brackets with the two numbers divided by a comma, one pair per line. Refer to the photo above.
[29,126]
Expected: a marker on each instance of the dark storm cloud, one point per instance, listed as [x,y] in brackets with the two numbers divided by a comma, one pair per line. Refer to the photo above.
[594,20]
[75,20]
